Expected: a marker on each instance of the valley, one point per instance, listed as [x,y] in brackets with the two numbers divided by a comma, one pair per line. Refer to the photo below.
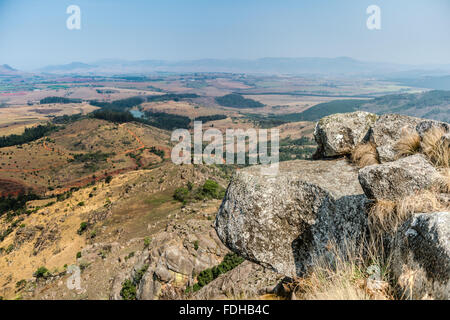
[87,181]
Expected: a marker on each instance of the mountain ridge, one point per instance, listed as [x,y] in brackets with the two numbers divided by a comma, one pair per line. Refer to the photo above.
[303,65]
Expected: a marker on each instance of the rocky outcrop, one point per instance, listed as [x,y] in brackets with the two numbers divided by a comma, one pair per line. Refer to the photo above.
[386,132]
[246,281]
[283,222]
[338,134]
[424,126]
[421,257]
[174,257]
[398,179]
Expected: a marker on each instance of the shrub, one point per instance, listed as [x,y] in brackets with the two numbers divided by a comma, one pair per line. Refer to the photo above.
[10,248]
[21,284]
[181,194]
[212,190]
[205,277]
[128,291]
[83,226]
[78,255]
[196,245]
[108,179]
[129,256]
[147,242]
[140,274]
[129,287]
[230,261]
[196,287]
[42,272]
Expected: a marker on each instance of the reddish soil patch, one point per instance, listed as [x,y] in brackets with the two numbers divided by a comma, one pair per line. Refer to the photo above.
[12,188]
[83,182]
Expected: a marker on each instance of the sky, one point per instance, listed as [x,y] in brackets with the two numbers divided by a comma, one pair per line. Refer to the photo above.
[33,33]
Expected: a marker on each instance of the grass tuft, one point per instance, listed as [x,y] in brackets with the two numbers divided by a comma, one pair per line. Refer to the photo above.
[386,216]
[408,144]
[436,148]
[365,155]
[348,275]
[444,180]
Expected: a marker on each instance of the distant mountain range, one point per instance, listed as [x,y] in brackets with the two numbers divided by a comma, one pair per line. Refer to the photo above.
[7,70]
[300,66]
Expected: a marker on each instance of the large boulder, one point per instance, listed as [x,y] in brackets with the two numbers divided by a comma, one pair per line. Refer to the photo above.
[397,179]
[421,257]
[284,222]
[387,131]
[338,134]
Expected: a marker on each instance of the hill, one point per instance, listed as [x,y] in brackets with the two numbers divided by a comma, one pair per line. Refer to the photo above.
[76,154]
[322,110]
[431,105]
[6,70]
[103,229]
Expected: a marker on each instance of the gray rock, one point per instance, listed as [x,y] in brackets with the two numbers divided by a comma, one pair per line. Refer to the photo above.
[421,256]
[283,222]
[171,259]
[246,281]
[398,179]
[338,134]
[386,132]
[426,125]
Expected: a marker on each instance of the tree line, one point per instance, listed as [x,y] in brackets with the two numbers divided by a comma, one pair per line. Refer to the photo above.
[235,100]
[59,100]
[214,117]
[29,135]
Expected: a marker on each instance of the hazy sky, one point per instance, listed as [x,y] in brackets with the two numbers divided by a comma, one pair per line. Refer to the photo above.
[33,33]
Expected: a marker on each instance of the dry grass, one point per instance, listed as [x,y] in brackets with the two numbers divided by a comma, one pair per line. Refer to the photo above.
[365,155]
[408,144]
[443,180]
[347,276]
[436,148]
[426,201]
[385,216]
